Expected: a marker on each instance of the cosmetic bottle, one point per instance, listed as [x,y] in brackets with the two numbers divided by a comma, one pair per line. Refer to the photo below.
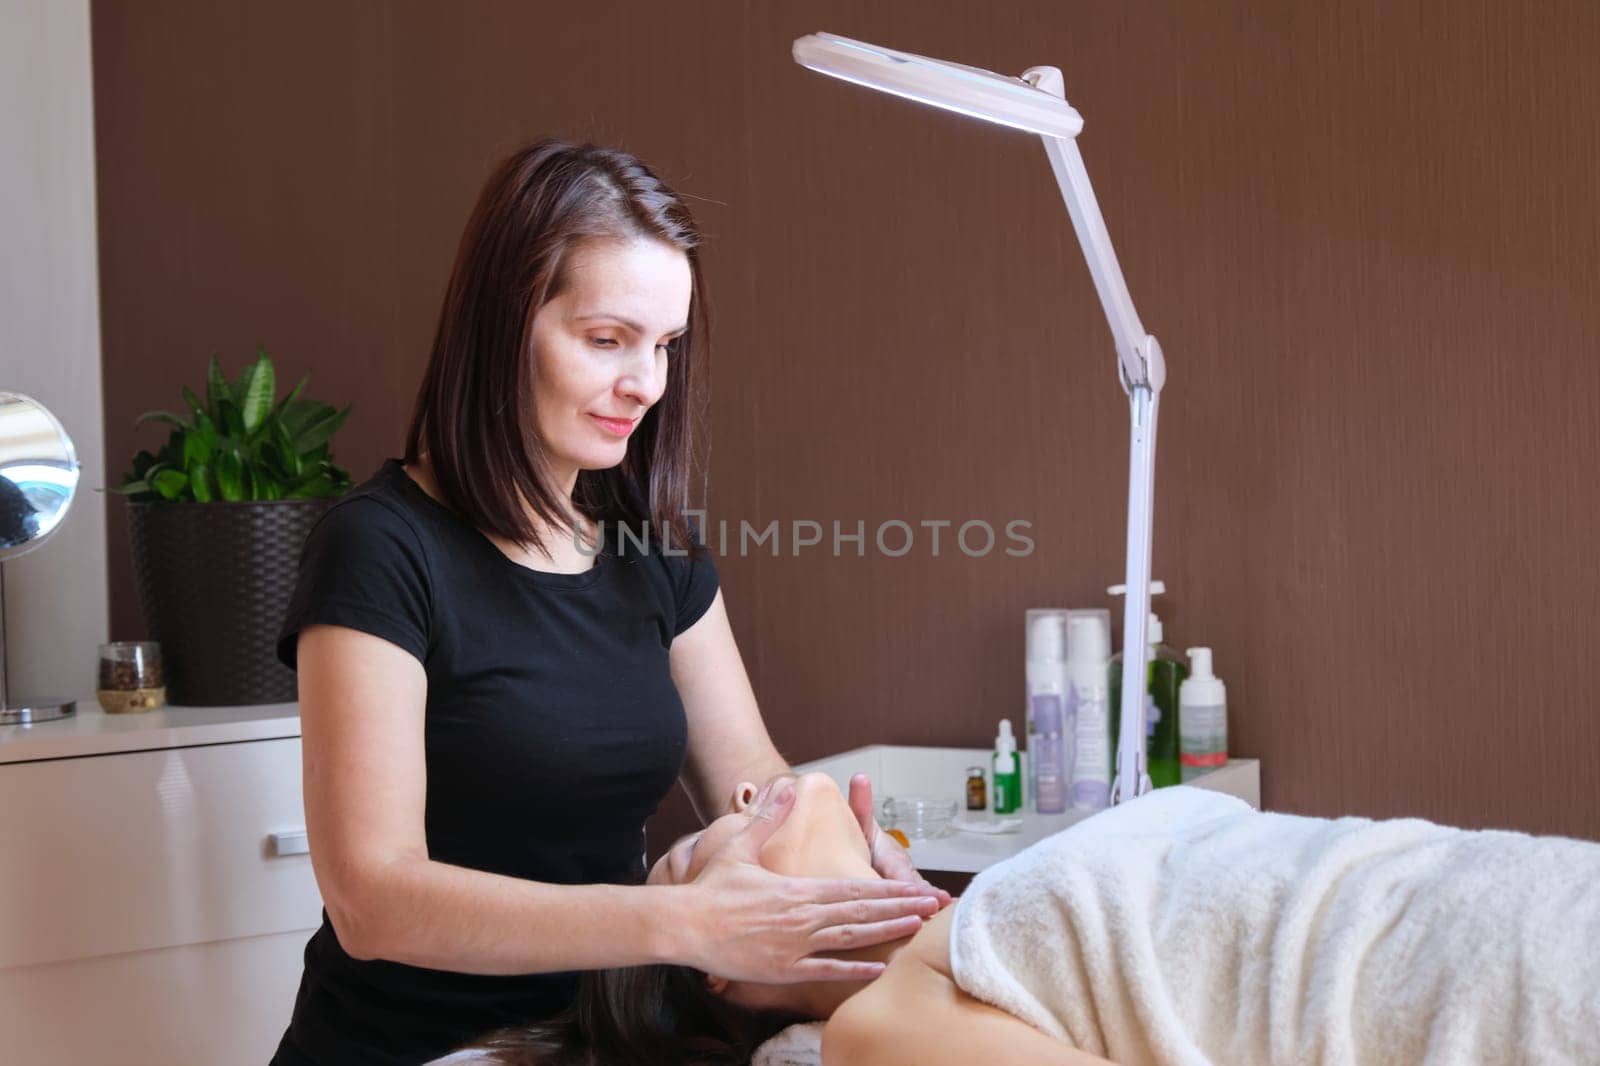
[977,790]
[1006,774]
[1164,672]
[1202,718]
[1046,674]
[1049,756]
[1087,645]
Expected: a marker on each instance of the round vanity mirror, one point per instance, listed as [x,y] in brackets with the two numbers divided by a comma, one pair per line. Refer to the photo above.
[38,479]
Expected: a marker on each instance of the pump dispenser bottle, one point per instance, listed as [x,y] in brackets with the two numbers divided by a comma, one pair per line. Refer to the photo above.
[1047,695]
[1087,647]
[1007,774]
[1049,757]
[1203,718]
[1162,717]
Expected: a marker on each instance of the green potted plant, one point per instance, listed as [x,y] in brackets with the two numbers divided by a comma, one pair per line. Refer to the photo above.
[216,520]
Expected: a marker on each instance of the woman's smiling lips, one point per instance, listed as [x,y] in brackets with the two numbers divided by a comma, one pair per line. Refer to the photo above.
[617,427]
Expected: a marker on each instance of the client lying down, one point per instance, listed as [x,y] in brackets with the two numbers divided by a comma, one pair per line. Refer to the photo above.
[1182,927]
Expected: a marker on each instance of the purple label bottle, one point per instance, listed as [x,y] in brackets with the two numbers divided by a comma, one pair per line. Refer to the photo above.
[1050,757]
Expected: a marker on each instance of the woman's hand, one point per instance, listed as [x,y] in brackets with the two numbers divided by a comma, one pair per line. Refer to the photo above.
[755,925]
[888,857]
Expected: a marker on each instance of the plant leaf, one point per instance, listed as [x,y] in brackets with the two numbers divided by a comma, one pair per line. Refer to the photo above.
[197,447]
[160,416]
[241,384]
[170,483]
[216,389]
[301,413]
[130,488]
[200,482]
[294,393]
[193,401]
[268,486]
[320,429]
[230,476]
[256,400]
[318,485]
[288,455]
[231,421]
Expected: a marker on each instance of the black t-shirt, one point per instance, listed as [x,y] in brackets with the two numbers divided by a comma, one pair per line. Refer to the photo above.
[552,731]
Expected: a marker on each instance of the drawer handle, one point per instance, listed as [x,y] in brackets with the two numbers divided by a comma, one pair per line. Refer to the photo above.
[290,842]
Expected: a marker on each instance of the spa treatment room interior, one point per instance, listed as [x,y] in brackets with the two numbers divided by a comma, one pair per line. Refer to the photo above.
[633,533]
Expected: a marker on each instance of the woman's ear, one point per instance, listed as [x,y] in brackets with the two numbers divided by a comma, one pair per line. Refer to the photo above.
[716,985]
[744,794]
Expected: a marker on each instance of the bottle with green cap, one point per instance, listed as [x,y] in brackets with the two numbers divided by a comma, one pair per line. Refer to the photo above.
[1007,774]
[1162,714]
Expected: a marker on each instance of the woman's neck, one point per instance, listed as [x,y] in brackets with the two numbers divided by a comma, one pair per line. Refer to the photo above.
[561,554]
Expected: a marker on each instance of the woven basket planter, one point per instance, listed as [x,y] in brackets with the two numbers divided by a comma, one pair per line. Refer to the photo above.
[214,581]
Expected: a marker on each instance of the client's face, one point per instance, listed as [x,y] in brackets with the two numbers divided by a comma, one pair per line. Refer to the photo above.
[820,838]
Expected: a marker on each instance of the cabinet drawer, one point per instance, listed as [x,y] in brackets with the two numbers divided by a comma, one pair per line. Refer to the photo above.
[141,850]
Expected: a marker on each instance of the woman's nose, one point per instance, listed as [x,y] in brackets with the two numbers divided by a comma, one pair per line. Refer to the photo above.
[643,383]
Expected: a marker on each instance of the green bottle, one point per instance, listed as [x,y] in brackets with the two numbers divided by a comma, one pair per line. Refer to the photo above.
[1007,772]
[1165,673]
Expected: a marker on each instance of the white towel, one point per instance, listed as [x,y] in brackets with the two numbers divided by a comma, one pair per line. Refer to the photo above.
[1185,928]
[798,1045]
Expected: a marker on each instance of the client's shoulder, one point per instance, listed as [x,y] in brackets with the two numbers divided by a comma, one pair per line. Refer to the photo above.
[866,1027]
[916,1015]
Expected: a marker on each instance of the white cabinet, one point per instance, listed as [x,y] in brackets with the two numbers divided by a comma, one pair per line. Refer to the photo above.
[147,914]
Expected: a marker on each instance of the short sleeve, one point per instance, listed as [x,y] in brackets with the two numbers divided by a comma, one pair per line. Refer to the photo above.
[694,586]
[362,567]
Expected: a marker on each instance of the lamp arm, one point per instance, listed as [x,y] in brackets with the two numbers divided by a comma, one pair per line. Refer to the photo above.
[1143,372]
[1138,354]
[1132,771]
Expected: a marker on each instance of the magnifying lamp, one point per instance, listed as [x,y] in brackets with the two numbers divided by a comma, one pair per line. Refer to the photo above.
[1036,103]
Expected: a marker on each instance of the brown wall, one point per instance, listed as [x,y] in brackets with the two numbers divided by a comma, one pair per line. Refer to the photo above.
[1366,233]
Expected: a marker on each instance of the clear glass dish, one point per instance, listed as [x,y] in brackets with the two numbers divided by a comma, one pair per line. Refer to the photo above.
[918,817]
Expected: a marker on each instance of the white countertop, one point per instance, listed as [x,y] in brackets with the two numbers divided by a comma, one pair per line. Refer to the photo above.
[94,732]
[906,770]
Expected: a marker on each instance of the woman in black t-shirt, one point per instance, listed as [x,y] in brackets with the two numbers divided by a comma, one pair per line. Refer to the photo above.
[510,646]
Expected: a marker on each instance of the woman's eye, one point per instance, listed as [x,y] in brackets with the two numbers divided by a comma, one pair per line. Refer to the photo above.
[603,342]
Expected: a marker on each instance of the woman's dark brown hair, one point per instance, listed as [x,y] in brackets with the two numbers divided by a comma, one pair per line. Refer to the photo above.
[639,1016]
[474,418]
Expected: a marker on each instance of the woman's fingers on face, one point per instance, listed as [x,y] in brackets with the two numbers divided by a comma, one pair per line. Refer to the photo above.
[891,860]
[861,797]
[829,890]
[864,934]
[815,969]
[861,911]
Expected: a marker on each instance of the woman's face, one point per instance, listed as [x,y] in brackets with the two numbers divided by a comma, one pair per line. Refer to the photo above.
[600,355]
[820,838]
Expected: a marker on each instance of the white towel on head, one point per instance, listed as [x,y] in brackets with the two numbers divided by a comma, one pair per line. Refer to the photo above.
[1183,927]
[798,1045]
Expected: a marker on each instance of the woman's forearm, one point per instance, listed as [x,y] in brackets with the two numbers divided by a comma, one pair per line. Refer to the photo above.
[432,914]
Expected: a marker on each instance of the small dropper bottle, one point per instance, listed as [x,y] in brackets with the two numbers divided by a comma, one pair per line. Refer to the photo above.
[1007,774]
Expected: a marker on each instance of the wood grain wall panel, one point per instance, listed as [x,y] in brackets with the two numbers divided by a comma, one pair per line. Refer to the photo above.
[1365,232]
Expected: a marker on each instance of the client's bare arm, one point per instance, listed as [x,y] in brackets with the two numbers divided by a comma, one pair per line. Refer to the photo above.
[915,1015]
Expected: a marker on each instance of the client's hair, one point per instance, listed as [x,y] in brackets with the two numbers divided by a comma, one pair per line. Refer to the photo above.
[639,1014]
